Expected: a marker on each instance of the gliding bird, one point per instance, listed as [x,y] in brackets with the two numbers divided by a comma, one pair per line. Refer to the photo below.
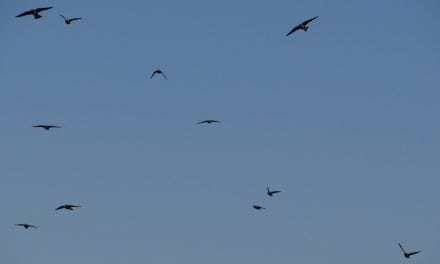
[35,12]
[303,26]
[158,71]
[67,207]
[271,193]
[47,127]
[26,226]
[69,20]
[408,254]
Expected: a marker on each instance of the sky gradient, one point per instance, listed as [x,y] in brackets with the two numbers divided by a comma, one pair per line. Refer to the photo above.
[343,119]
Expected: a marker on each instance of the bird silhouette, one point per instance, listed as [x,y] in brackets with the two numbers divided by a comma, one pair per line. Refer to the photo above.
[26,226]
[47,127]
[35,12]
[258,207]
[209,121]
[69,20]
[408,254]
[271,193]
[303,26]
[158,71]
[67,207]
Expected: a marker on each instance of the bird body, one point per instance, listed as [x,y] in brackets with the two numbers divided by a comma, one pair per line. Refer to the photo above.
[47,127]
[258,207]
[26,226]
[209,121]
[67,207]
[34,12]
[303,26]
[271,193]
[69,20]
[408,254]
[158,71]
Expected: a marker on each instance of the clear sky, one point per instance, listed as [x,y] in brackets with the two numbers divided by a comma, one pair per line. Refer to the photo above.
[343,119]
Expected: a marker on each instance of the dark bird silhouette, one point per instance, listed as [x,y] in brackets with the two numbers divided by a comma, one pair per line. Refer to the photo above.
[47,127]
[271,193]
[406,254]
[69,20]
[26,226]
[258,207]
[303,26]
[35,12]
[158,71]
[209,121]
[67,207]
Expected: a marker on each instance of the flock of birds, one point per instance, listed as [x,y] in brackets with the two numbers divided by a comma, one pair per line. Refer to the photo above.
[304,26]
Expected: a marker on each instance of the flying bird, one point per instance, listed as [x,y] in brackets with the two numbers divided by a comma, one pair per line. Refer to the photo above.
[35,12]
[406,254]
[209,121]
[158,71]
[47,127]
[271,193]
[69,20]
[26,226]
[258,207]
[303,26]
[67,207]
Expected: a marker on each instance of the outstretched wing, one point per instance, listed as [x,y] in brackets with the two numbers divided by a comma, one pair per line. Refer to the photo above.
[310,20]
[76,18]
[413,253]
[43,9]
[293,30]
[276,191]
[402,248]
[201,122]
[60,207]
[29,12]
[152,75]
[63,17]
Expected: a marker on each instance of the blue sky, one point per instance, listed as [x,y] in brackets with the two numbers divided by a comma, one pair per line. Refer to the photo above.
[342,119]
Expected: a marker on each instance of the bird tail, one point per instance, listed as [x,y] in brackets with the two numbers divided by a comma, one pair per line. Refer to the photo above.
[37,16]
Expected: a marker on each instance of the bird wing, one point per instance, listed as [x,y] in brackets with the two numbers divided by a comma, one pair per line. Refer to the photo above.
[76,18]
[267,188]
[201,122]
[402,248]
[60,207]
[153,74]
[276,191]
[413,253]
[309,20]
[63,17]
[32,226]
[50,126]
[43,9]
[293,30]
[26,13]
[71,205]
[19,224]
[38,126]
